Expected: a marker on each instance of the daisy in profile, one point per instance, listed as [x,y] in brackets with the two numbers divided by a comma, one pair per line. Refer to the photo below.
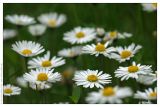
[52,20]
[148,94]
[27,48]
[100,31]
[40,86]
[41,76]
[92,78]
[109,95]
[132,71]
[9,90]
[110,36]
[46,61]
[98,49]
[71,52]
[149,7]
[22,82]
[37,30]
[9,33]
[123,54]
[147,79]
[80,35]
[21,20]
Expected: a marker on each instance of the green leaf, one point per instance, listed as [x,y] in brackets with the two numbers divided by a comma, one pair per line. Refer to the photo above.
[76,94]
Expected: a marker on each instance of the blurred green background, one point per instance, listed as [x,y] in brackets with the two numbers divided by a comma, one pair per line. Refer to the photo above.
[122,17]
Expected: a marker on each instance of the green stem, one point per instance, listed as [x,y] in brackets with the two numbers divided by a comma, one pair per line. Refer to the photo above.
[25,62]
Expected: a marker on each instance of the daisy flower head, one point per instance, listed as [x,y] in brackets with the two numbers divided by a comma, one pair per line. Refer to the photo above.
[22,82]
[46,61]
[147,79]
[123,54]
[149,7]
[40,86]
[80,35]
[27,48]
[71,52]
[148,94]
[98,49]
[9,90]
[109,95]
[92,78]
[132,71]
[110,36]
[37,30]
[21,20]
[9,33]
[100,31]
[52,20]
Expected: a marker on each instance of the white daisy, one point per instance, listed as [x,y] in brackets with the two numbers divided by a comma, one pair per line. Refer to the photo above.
[40,86]
[9,90]
[52,20]
[109,95]
[149,7]
[9,33]
[80,35]
[46,62]
[100,31]
[37,30]
[145,102]
[92,78]
[110,36]
[125,53]
[98,49]
[22,82]
[147,79]
[27,48]
[71,52]
[22,20]
[149,94]
[42,75]
[132,71]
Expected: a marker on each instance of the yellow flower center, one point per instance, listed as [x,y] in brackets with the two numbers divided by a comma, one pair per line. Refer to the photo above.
[26,52]
[46,63]
[153,94]
[8,90]
[100,47]
[125,54]
[154,5]
[113,34]
[52,23]
[92,78]
[42,77]
[80,35]
[108,91]
[133,69]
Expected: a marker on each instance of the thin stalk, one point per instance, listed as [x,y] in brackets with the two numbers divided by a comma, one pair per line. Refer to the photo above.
[25,62]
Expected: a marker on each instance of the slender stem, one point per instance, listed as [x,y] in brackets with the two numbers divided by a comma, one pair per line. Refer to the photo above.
[26,61]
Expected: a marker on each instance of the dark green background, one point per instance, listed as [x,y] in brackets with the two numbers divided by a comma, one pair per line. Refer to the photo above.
[122,17]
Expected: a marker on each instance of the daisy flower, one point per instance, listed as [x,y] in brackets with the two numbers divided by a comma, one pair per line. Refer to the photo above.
[149,94]
[125,53]
[52,20]
[100,31]
[22,20]
[98,49]
[149,7]
[46,61]
[71,52]
[9,33]
[147,79]
[132,71]
[9,90]
[37,30]
[42,75]
[110,36]
[27,48]
[109,95]
[80,35]
[92,78]
[40,86]
[22,82]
